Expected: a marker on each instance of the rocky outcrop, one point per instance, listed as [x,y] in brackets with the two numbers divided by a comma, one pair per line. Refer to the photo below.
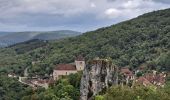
[98,75]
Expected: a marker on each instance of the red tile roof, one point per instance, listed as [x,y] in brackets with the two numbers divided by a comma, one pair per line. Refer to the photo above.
[126,71]
[143,80]
[150,78]
[160,78]
[65,67]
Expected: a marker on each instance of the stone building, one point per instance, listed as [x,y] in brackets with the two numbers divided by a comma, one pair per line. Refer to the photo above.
[63,69]
[66,69]
[80,63]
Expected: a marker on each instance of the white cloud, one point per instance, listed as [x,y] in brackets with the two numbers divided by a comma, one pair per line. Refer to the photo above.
[93,5]
[112,13]
[126,9]
[68,13]
[131,4]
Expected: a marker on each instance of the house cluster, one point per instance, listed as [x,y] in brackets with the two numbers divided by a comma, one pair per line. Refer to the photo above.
[157,79]
[61,70]
[152,78]
[66,69]
[37,82]
[58,71]
[126,76]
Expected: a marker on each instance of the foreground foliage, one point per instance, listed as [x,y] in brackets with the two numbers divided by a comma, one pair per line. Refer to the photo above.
[11,89]
[64,89]
[135,93]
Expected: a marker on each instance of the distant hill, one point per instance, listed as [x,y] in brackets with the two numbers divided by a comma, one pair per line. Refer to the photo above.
[142,40]
[17,37]
[4,33]
[27,46]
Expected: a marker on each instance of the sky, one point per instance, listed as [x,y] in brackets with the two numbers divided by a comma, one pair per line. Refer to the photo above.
[78,15]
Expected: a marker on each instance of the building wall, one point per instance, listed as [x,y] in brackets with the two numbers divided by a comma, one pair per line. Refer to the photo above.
[57,73]
[80,65]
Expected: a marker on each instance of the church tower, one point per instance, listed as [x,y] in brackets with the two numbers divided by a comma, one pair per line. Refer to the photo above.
[80,63]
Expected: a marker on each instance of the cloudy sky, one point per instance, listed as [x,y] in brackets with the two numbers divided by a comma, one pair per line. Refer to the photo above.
[79,15]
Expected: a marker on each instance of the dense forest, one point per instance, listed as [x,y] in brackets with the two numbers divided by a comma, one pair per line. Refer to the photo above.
[143,40]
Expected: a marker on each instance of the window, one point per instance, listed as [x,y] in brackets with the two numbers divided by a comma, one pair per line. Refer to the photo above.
[81,63]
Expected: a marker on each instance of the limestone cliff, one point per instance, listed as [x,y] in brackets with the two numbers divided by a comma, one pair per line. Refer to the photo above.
[98,75]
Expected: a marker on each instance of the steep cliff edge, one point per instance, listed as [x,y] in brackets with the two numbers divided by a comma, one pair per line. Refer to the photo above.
[98,75]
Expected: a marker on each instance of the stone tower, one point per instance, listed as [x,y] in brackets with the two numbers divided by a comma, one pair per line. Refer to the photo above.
[80,63]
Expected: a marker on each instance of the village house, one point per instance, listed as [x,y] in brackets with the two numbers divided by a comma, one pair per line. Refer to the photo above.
[127,75]
[152,78]
[67,69]
[40,82]
[36,82]
[12,75]
[157,80]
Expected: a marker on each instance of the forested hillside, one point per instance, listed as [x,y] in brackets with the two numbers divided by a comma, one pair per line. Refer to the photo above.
[145,39]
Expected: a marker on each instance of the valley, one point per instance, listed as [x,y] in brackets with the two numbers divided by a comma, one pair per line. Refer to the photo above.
[133,51]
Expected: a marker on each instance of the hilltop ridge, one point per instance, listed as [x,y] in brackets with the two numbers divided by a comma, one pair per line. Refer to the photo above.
[10,38]
[145,39]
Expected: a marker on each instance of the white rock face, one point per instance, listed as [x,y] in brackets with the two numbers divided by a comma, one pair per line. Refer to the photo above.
[97,76]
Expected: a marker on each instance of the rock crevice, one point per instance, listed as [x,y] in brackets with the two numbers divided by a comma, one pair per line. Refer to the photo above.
[97,76]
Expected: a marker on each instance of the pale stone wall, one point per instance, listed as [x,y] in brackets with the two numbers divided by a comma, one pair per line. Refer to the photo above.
[98,75]
[58,73]
[80,65]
